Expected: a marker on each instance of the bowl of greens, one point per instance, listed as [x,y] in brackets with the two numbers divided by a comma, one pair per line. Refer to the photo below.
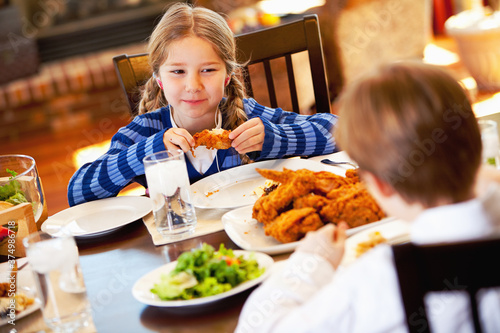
[202,276]
[19,183]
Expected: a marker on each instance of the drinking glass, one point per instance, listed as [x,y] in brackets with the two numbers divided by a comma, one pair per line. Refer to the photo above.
[491,147]
[19,180]
[168,184]
[59,281]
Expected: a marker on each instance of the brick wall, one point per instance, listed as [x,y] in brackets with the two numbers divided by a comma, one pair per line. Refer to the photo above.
[72,93]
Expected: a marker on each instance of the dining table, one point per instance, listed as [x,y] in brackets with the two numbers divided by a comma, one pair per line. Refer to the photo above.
[113,262]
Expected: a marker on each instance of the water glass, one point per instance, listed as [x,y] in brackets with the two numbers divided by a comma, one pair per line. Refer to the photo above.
[59,281]
[19,181]
[491,146]
[169,188]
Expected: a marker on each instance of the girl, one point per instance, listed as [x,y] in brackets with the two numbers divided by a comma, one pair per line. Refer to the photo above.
[194,87]
[411,129]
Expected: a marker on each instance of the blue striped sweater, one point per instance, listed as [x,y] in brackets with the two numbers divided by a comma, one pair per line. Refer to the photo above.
[286,134]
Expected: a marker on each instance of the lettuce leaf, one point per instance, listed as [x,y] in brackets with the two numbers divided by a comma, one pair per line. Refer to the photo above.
[11,191]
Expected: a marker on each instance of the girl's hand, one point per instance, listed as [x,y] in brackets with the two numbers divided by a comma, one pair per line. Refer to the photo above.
[248,137]
[176,138]
[327,242]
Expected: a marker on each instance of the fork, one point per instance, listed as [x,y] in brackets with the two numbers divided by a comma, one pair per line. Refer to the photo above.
[328,161]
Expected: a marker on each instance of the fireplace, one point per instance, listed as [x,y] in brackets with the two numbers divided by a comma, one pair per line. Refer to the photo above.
[64,28]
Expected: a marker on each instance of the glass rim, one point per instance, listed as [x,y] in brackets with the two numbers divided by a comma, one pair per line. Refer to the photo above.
[24,173]
[148,158]
[28,240]
[487,121]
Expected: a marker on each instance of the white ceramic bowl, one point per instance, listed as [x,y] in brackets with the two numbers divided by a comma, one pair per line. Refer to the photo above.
[478,38]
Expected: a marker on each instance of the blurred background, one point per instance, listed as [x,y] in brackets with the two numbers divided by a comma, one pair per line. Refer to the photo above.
[60,101]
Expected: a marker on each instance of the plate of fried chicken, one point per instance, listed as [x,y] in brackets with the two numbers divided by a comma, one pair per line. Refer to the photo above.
[304,201]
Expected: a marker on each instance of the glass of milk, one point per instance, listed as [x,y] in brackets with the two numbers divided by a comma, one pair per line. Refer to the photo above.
[169,188]
[491,147]
[58,277]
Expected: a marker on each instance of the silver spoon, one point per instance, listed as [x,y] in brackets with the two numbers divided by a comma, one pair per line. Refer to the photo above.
[328,161]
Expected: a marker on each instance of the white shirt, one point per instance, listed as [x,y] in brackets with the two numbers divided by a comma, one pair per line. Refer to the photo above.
[307,295]
[201,158]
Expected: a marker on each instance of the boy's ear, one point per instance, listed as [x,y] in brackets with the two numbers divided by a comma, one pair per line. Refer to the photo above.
[380,185]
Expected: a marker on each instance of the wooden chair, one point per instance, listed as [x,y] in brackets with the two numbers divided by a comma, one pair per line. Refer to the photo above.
[260,46]
[464,266]
[265,45]
[132,71]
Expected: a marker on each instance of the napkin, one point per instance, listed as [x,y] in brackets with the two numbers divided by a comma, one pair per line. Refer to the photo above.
[209,221]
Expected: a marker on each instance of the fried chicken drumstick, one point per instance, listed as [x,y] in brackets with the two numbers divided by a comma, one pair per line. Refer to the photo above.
[307,200]
[213,139]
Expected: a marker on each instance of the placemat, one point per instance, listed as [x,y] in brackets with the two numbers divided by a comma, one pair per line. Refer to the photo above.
[209,221]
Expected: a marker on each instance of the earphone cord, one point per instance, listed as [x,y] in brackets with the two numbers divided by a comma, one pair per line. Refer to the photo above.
[218,121]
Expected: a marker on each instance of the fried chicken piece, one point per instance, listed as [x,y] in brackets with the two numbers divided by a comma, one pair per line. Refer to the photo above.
[278,176]
[327,181]
[268,207]
[352,204]
[324,181]
[310,200]
[213,139]
[352,175]
[294,224]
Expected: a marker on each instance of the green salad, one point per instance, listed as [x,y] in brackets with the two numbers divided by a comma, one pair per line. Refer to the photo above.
[206,272]
[11,191]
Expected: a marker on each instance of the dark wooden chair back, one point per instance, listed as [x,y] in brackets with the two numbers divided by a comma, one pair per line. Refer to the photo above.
[132,71]
[265,45]
[260,46]
[464,266]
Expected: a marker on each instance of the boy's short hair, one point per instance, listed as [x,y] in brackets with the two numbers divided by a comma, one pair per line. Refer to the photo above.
[412,125]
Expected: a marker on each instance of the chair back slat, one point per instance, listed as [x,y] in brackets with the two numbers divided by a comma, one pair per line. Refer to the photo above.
[272,43]
[270,84]
[291,82]
[316,61]
[464,266]
[248,81]
[132,71]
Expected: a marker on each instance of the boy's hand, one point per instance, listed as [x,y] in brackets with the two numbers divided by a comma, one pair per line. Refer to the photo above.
[327,242]
[176,138]
[249,136]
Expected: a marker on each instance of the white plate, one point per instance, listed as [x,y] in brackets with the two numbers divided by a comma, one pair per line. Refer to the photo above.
[249,234]
[392,230]
[26,285]
[96,218]
[141,289]
[235,187]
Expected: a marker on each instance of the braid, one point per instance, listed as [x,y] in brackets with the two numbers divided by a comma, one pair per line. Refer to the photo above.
[233,105]
[152,97]
[235,114]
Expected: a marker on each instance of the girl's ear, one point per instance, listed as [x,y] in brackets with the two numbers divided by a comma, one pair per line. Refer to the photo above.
[159,83]
[226,82]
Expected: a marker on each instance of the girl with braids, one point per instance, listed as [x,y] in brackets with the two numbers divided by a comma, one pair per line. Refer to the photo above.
[194,87]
